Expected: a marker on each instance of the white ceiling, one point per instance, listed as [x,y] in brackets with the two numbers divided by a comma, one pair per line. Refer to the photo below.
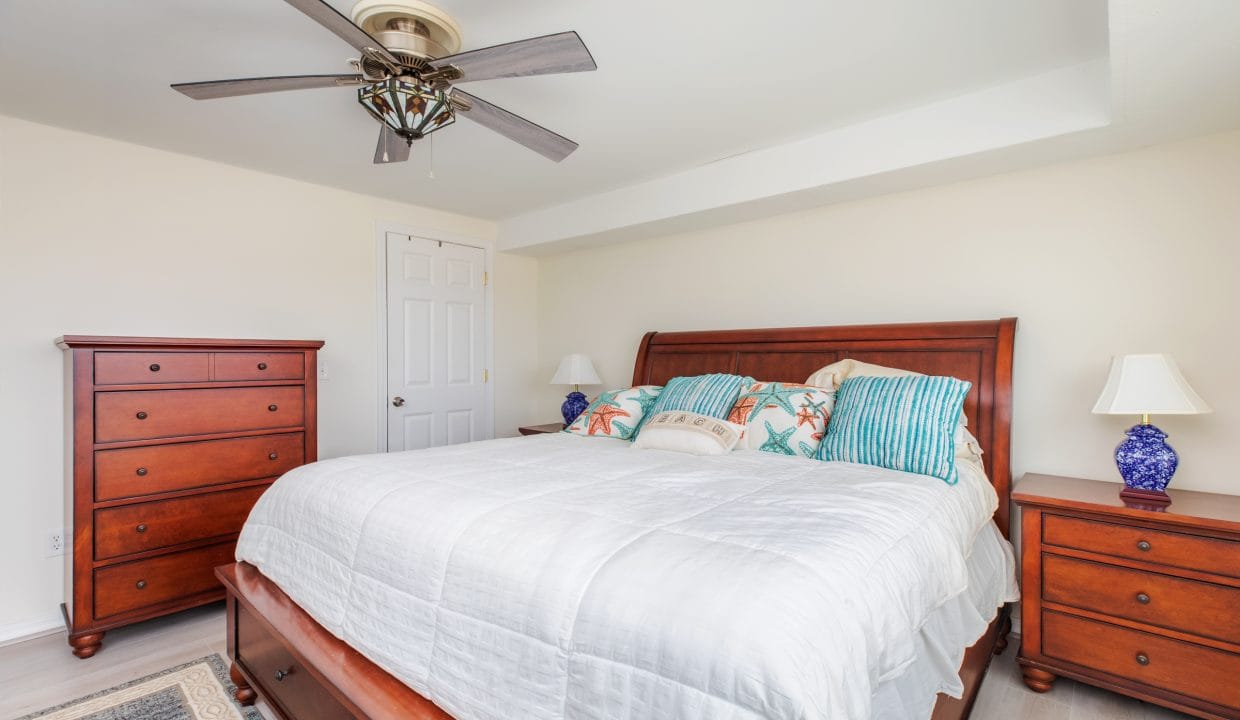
[680,84]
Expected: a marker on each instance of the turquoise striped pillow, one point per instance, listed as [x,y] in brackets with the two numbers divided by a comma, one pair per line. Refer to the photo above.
[712,395]
[901,423]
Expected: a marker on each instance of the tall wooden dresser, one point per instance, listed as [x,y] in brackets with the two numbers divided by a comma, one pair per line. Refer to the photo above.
[170,441]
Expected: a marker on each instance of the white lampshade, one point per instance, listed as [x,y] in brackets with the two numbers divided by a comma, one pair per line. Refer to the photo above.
[576,369]
[1148,385]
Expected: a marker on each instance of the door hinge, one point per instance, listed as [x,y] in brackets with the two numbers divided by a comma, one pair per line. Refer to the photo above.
[486,376]
[486,279]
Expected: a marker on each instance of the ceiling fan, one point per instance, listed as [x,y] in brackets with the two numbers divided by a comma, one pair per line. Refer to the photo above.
[408,71]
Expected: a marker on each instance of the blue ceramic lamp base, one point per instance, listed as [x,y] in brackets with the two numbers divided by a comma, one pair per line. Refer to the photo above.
[1147,463]
[574,404]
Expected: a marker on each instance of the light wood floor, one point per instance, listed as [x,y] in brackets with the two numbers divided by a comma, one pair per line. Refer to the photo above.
[41,673]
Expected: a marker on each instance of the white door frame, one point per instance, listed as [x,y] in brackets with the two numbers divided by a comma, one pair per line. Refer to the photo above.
[382,228]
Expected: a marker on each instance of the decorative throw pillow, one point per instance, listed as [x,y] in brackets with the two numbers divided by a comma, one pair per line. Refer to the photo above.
[616,414]
[688,433]
[903,423]
[833,375]
[783,418]
[712,395]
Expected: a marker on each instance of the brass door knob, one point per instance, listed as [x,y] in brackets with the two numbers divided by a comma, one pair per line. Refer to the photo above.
[398,401]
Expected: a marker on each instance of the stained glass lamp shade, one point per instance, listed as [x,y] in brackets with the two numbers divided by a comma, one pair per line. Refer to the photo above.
[412,110]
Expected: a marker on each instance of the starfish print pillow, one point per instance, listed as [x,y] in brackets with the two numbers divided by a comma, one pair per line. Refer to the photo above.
[784,418]
[616,414]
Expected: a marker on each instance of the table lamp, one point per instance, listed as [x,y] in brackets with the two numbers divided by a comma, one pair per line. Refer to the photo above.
[1147,385]
[576,370]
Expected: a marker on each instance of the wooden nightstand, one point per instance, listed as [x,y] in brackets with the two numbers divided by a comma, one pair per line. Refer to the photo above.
[539,429]
[1140,602]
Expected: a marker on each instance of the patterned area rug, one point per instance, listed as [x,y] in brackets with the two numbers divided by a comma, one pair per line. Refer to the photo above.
[197,690]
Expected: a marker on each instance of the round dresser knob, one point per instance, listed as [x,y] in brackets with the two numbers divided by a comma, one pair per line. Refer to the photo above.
[1143,659]
[1143,598]
[141,416]
[141,528]
[141,472]
[1143,546]
[281,674]
[154,367]
[262,366]
[273,456]
[141,585]
[273,407]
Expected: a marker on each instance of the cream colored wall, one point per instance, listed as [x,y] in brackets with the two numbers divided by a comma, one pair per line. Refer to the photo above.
[1127,253]
[98,236]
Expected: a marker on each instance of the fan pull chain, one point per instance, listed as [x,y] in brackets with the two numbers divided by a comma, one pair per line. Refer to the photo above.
[430,157]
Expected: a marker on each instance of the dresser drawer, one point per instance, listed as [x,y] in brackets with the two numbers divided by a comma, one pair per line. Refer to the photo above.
[125,368]
[142,583]
[131,472]
[146,414]
[1172,665]
[1199,608]
[260,366]
[152,525]
[283,680]
[1193,552]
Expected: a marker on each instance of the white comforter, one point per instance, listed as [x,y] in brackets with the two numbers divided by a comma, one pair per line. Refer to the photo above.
[560,576]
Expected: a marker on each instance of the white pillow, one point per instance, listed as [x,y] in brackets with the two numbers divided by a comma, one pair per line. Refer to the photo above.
[688,432]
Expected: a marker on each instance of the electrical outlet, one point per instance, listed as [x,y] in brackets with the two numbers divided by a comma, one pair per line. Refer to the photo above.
[55,544]
[323,376]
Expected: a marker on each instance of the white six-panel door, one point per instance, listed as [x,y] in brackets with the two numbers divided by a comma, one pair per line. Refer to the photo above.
[436,343]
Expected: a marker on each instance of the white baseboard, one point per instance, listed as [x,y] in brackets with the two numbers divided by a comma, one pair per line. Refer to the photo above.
[22,630]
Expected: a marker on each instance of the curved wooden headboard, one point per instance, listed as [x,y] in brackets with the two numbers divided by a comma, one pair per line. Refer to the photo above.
[980,352]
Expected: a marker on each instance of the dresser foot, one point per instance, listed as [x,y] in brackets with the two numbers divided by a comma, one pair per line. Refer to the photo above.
[1001,642]
[1038,680]
[245,694]
[85,646]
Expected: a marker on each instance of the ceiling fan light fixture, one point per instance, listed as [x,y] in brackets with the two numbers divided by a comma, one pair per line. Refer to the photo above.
[411,109]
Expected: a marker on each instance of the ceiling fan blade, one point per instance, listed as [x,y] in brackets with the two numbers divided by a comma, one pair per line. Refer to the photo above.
[330,18]
[560,53]
[515,128]
[255,86]
[392,148]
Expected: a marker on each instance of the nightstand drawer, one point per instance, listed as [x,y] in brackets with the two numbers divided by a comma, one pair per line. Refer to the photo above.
[1199,608]
[1156,546]
[1143,658]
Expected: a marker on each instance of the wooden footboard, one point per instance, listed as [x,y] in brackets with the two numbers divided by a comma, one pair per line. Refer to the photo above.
[303,672]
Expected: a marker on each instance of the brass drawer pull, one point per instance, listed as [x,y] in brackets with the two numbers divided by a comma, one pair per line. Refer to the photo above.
[272,407]
[273,456]
[141,472]
[154,367]
[141,528]
[262,366]
[1143,545]
[1143,659]
[1143,598]
[141,585]
[141,415]
[281,674]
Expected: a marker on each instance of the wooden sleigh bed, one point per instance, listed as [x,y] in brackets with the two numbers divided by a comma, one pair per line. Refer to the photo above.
[303,672]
